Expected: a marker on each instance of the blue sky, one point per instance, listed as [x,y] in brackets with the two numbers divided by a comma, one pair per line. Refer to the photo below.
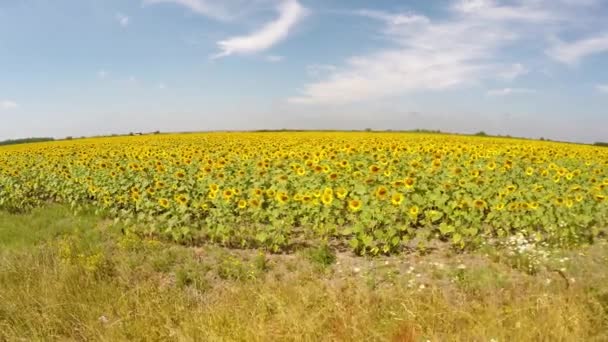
[523,67]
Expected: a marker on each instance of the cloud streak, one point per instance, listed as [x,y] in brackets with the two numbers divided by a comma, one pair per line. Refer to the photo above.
[468,46]
[122,19]
[290,13]
[216,9]
[8,104]
[424,56]
[573,52]
[602,88]
[509,91]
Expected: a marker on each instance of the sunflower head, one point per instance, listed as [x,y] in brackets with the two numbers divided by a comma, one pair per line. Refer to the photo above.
[355,205]
[397,199]
[409,182]
[381,192]
[327,199]
[163,202]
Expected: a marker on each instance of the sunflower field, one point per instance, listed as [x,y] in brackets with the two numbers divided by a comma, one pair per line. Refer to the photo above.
[375,193]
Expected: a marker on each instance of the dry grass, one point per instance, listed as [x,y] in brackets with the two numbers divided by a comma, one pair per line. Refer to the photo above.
[93,284]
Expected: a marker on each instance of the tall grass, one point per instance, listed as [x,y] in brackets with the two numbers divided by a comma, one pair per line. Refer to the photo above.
[65,277]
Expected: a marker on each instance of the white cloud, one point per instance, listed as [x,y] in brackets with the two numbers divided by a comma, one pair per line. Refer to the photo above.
[572,52]
[290,13]
[122,19]
[513,71]
[492,10]
[223,10]
[8,104]
[102,74]
[509,91]
[425,55]
[319,70]
[602,88]
[274,58]
[162,85]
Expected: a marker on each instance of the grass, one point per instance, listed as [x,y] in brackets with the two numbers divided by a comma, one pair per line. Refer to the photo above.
[66,277]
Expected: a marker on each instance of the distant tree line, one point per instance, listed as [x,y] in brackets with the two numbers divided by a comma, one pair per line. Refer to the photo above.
[602,144]
[24,141]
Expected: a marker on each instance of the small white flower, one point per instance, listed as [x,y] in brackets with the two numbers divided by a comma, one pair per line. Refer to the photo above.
[356,270]
[462,266]
[421,287]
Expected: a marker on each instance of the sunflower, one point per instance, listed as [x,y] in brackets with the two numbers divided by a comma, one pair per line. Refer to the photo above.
[163,202]
[409,182]
[414,211]
[381,192]
[374,168]
[181,199]
[355,205]
[398,183]
[227,194]
[242,204]
[480,204]
[282,197]
[180,175]
[341,193]
[529,171]
[254,203]
[397,199]
[257,192]
[327,199]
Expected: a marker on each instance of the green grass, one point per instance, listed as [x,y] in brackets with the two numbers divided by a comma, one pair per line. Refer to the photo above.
[66,277]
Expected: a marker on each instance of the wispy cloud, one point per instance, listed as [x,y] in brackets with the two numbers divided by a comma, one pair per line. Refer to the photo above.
[572,52]
[122,19]
[8,104]
[602,88]
[492,10]
[425,55]
[223,10]
[290,13]
[102,74]
[509,91]
[512,72]
[274,58]
[466,46]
